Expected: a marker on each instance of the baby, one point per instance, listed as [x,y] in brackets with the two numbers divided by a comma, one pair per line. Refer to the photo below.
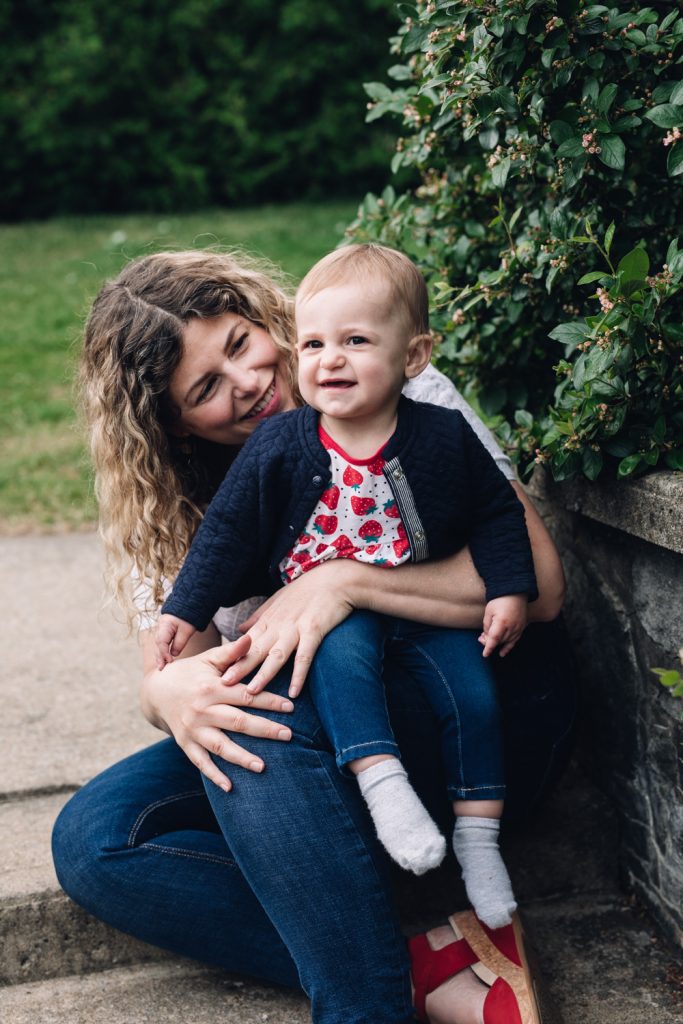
[362,472]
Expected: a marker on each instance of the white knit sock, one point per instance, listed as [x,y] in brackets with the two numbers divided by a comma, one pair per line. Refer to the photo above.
[488,886]
[403,825]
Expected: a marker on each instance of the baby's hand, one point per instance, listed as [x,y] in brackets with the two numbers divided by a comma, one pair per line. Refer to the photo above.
[172,635]
[505,620]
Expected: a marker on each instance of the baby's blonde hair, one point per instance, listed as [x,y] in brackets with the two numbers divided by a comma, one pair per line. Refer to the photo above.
[368,261]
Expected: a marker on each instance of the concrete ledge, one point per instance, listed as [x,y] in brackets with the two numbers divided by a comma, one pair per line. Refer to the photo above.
[648,507]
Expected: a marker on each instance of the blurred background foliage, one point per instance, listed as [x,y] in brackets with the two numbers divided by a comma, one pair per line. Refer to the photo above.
[154,106]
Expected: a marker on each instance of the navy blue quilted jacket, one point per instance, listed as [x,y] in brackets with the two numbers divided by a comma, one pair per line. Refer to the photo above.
[448,489]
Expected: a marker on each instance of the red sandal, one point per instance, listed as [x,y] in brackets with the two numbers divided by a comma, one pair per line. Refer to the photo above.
[497,958]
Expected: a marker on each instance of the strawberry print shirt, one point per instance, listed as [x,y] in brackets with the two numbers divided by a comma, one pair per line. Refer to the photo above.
[356,517]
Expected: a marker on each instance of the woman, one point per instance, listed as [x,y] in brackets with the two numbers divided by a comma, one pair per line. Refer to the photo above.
[271,873]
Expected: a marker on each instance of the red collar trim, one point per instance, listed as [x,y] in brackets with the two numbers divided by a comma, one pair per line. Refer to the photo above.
[329,442]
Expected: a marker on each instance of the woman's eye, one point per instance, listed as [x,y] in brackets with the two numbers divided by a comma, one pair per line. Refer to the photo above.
[239,343]
[206,390]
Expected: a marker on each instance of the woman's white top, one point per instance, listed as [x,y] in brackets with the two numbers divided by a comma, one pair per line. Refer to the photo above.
[431,386]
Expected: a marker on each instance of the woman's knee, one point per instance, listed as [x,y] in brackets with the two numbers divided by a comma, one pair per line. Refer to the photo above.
[77,846]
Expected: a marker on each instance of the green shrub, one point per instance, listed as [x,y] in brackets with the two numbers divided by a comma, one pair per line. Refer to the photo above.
[148,105]
[534,127]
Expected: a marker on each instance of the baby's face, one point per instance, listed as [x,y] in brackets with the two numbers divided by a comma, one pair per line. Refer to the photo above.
[352,345]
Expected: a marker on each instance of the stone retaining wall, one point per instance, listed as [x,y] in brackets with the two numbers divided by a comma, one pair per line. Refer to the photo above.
[622,549]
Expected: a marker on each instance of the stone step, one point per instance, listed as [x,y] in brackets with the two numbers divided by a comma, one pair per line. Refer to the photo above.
[172,992]
[600,961]
[42,933]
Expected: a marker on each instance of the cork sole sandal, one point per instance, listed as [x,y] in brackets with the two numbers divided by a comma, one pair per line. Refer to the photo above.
[502,964]
[497,958]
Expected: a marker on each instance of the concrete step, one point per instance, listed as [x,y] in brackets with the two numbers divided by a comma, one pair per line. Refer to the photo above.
[171,993]
[600,962]
[69,688]
[42,933]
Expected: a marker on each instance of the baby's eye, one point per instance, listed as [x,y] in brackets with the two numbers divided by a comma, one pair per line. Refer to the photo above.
[357,339]
[311,343]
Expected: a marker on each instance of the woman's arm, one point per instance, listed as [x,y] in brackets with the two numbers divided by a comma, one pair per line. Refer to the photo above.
[190,702]
[449,592]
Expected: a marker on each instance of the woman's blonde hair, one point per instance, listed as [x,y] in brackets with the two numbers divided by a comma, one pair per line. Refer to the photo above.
[151,486]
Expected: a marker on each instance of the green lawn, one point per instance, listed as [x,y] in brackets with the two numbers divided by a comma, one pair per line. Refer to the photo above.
[49,273]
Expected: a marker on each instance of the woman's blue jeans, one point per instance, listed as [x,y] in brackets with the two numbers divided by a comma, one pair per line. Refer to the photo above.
[347,686]
[282,878]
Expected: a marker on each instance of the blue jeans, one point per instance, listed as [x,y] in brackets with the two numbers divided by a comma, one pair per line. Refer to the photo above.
[446,664]
[283,879]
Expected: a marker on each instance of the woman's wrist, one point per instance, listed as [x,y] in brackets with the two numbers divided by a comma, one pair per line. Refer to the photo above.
[147,705]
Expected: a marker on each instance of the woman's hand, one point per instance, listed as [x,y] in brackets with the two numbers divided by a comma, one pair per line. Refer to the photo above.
[295,619]
[190,701]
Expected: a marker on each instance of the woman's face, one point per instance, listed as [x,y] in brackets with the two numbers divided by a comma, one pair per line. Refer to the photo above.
[230,377]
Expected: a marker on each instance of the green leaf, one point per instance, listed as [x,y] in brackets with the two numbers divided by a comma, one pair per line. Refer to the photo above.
[591,90]
[570,147]
[499,173]
[591,463]
[659,429]
[674,162]
[560,131]
[669,20]
[629,464]
[400,72]
[515,217]
[612,152]
[674,459]
[634,266]
[677,94]
[609,235]
[594,275]
[574,172]
[378,91]
[606,98]
[671,251]
[667,115]
[569,334]
[524,419]
[488,139]
[668,677]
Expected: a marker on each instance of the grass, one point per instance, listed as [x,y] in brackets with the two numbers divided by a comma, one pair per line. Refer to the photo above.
[49,274]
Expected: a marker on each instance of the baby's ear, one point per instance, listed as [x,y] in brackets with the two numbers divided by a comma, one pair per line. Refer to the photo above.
[418,355]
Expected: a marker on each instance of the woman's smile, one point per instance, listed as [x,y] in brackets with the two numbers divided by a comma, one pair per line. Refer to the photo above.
[262,407]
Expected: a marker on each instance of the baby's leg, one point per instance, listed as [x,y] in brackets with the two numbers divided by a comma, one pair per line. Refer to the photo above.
[347,689]
[459,685]
[475,844]
[403,824]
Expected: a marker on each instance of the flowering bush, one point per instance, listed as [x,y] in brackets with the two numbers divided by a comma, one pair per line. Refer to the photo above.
[532,128]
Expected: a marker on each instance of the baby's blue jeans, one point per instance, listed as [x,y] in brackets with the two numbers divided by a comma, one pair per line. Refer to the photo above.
[446,665]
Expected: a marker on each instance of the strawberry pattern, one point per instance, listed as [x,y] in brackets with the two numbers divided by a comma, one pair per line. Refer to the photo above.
[355,517]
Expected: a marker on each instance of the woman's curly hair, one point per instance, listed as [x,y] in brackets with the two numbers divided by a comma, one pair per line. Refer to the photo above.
[152,487]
